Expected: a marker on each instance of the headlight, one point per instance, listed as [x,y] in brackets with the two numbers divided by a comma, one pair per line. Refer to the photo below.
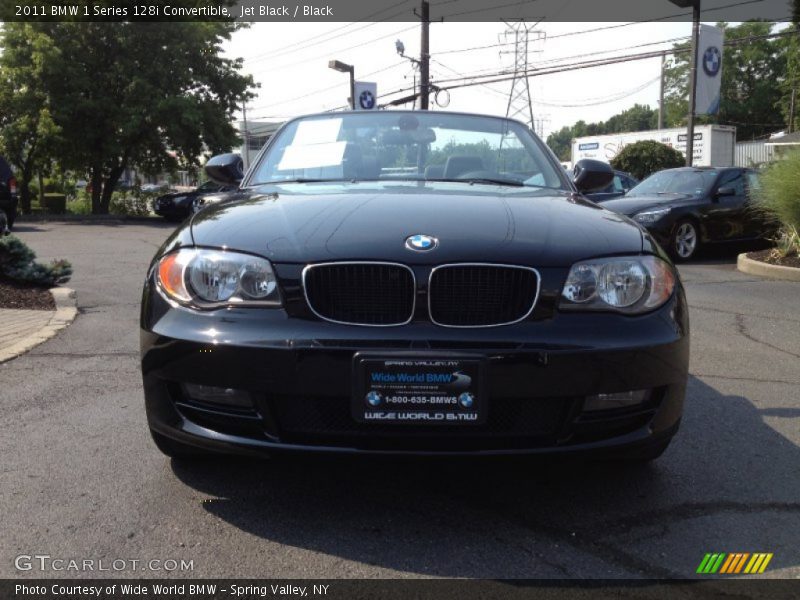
[213,278]
[631,284]
[648,217]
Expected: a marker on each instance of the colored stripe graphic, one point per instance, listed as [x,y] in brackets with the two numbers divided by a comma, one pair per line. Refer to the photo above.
[741,562]
[729,562]
[711,563]
[733,563]
[758,563]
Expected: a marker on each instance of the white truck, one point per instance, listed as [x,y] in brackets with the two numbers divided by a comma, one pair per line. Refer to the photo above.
[714,145]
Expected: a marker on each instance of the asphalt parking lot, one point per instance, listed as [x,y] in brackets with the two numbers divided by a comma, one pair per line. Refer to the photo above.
[80,478]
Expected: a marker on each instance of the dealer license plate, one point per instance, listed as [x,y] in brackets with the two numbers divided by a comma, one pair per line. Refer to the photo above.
[419,390]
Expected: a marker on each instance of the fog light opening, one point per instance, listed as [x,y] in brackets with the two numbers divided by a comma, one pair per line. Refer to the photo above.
[220,396]
[615,400]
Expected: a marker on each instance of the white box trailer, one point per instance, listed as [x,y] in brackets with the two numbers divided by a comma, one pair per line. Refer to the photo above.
[714,145]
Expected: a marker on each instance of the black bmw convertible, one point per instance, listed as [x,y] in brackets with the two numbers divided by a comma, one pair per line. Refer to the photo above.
[412,283]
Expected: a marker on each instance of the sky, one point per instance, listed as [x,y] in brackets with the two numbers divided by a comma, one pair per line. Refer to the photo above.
[290,61]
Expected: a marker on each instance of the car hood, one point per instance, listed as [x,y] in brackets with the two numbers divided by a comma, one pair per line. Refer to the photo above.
[630,205]
[316,223]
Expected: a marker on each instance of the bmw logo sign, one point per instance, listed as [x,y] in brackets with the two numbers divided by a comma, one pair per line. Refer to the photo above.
[366,100]
[374,398]
[466,400]
[712,61]
[421,243]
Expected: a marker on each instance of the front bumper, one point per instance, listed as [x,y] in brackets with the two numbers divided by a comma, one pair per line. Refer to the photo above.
[299,374]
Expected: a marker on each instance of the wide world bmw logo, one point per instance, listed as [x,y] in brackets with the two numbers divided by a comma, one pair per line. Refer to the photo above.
[421,243]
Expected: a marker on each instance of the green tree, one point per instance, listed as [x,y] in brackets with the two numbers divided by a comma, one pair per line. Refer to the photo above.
[156,96]
[560,142]
[648,156]
[27,130]
[753,74]
[637,118]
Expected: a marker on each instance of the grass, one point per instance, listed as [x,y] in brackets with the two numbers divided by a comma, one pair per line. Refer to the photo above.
[780,198]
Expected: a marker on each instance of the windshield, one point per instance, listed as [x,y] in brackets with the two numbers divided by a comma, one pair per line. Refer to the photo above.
[402,146]
[692,183]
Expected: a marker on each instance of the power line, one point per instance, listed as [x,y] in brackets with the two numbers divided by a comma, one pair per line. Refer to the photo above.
[505,76]
[603,28]
[328,53]
[583,55]
[327,37]
[321,90]
[595,101]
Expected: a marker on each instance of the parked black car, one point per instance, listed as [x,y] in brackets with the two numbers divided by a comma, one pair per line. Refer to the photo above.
[412,282]
[690,206]
[176,206]
[619,186]
[8,197]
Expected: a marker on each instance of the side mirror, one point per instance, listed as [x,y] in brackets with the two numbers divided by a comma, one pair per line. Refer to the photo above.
[725,191]
[591,175]
[227,169]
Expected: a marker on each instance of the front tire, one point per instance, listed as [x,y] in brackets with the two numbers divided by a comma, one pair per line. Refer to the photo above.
[685,240]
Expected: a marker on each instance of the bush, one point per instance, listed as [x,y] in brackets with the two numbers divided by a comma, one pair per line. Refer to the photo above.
[17,262]
[81,205]
[780,198]
[646,157]
[134,203]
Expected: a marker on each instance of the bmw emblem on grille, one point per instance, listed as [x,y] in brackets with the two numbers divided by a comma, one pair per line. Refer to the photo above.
[421,243]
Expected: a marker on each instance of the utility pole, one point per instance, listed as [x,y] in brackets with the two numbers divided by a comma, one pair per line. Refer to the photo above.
[246,137]
[661,92]
[791,110]
[693,81]
[425,55]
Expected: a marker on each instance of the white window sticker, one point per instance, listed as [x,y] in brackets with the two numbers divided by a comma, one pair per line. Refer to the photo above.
[312,155]
[317,131]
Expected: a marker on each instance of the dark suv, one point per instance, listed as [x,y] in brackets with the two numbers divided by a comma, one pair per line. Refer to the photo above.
[8,197]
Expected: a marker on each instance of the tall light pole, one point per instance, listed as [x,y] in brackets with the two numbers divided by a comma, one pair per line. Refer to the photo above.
[338,65]
[695,4]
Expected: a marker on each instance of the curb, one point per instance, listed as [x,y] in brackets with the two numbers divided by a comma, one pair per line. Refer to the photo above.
[65,313]
[762,269]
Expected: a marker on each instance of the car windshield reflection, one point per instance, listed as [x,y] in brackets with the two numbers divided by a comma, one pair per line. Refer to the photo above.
[398,146]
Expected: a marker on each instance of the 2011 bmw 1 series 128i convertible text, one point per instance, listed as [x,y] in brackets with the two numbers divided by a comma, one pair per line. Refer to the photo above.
[412,282]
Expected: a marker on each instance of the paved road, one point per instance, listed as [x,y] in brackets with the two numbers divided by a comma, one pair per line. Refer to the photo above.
[79,477]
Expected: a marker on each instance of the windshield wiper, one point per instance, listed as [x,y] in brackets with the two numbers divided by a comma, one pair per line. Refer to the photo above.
[487,180]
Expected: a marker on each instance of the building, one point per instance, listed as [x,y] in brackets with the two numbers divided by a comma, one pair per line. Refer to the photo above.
[254,137]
